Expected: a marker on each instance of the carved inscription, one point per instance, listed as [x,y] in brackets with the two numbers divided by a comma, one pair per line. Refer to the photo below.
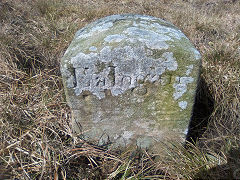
[110,77]
[120,73]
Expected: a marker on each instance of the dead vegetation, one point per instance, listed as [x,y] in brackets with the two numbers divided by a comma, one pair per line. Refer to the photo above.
[36,141]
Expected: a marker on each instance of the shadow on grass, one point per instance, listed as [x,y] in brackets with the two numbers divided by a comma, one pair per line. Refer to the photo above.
[202,109]
[230,170]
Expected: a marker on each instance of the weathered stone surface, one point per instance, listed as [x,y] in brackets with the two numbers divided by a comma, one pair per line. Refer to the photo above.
[130,79]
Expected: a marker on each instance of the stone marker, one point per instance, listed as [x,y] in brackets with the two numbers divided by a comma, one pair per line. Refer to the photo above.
[130,79]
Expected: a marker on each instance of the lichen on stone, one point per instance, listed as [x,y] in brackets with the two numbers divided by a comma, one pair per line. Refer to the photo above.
[181,86]
[93,73]
[130,79]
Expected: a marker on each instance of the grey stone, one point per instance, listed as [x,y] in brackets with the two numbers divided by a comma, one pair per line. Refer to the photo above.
[130,79]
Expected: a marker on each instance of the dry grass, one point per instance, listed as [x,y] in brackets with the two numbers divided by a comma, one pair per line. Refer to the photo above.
[36,141]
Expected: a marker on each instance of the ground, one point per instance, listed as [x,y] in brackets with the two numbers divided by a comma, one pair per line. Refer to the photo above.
[36,141]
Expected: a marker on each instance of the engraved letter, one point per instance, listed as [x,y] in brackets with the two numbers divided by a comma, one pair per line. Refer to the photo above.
[86,77]
[126,82]
[111,75]
[98,81]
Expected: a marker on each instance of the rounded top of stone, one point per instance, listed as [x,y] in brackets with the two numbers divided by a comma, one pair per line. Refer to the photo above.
[122,17]
[128,29]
